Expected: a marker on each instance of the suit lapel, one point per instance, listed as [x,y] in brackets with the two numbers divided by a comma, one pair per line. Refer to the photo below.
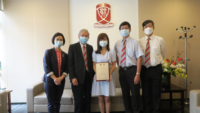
[63,60]
[79,50]
[87,48]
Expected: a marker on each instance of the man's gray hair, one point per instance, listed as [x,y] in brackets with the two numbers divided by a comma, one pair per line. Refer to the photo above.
[83,30]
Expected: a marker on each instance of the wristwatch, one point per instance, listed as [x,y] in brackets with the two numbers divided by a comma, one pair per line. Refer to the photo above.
[137,73]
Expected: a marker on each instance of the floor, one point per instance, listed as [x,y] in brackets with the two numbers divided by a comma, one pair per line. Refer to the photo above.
[21,108]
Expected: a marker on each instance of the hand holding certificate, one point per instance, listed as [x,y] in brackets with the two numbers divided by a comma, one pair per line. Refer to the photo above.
[102,71]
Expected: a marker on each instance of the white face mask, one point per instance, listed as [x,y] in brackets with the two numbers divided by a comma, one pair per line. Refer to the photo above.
[148,31]
[103,43]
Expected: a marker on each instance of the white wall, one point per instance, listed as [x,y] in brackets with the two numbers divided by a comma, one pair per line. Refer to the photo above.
[30,25]
[83,15]
[29,28]
[3,77]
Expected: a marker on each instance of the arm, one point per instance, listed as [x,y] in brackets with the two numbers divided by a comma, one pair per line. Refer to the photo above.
[71,63]
[117,60]
[64,74]
[163,48]
[94,66]
[47,64]
[137,76]
[94,70]
[139,54]
[65,68]
[113,67]
[71,67]
[139,64]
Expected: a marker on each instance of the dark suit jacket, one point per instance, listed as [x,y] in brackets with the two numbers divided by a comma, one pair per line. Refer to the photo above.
[76,62]
[50,64]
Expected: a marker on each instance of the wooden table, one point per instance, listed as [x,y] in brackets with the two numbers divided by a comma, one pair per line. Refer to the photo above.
[170,106]
[9,100]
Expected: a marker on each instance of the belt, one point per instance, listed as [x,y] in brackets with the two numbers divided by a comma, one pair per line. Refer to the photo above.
[126,68]
[152,67]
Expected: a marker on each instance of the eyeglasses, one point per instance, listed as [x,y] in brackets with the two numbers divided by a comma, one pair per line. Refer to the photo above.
[84,35]
[59,39]
[151,26]
[124,28]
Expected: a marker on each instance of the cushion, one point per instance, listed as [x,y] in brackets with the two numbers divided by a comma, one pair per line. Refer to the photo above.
[198,109]
[114,99]
[66,98]
[67,83]
[116,77]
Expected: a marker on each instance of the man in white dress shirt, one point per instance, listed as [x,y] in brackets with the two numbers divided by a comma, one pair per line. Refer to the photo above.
[151,74]
[129,60]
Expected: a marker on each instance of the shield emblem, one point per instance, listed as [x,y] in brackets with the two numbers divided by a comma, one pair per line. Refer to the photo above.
[103,13]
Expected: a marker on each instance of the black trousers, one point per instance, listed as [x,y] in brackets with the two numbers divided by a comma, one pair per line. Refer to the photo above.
[126,78]
[151,88]
[54,94]
[82,95]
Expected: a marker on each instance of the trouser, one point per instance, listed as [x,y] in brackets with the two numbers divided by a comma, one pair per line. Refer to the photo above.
[82,95]
[54,94]
[126,78]
[151,88]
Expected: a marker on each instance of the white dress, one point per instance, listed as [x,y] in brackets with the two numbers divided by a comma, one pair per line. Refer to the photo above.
[104,87]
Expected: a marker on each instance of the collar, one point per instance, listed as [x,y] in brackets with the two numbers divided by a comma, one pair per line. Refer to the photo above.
[57,51]
[151,37]
[126,39]
[82,45]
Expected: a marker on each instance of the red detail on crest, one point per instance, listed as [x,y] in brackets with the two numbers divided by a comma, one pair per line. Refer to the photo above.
[103,13]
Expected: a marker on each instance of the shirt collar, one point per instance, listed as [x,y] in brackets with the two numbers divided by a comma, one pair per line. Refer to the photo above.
[151,37]
[57,51]
[126,39]
[82,45]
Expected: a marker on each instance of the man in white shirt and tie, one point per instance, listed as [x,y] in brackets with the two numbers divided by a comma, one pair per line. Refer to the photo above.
[129,60]
[151,73]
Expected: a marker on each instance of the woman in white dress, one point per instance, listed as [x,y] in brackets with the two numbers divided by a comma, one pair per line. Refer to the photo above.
[104,89]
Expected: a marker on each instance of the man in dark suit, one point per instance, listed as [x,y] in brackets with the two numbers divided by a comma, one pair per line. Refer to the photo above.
[81,72]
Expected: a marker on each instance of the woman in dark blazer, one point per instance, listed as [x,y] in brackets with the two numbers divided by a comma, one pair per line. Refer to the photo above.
[56,69]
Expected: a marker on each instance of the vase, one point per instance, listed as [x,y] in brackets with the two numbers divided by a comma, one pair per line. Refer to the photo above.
[166,80]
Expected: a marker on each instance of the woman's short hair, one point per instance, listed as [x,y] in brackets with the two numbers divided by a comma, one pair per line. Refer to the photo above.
[58,34]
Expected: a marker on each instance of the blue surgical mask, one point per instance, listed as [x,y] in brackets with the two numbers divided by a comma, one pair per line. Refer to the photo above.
[125,32]
[103,43]
[83,40]
[58,44]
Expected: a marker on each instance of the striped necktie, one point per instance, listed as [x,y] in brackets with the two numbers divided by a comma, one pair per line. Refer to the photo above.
[147,54]
[85,57]
[123,54]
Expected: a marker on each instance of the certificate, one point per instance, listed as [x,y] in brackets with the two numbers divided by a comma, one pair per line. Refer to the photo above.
[102,71]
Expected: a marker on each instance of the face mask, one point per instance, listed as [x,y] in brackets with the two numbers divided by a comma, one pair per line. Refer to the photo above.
[103,43]
[125,32]
[83,40]
[58,44]
[148,31]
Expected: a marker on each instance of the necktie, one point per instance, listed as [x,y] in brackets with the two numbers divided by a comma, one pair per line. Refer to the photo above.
[147,54]
[85,57]
[123,54]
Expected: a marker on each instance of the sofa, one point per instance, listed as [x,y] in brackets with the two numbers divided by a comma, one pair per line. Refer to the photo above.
[3,102]
[37,100]
[195,101]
